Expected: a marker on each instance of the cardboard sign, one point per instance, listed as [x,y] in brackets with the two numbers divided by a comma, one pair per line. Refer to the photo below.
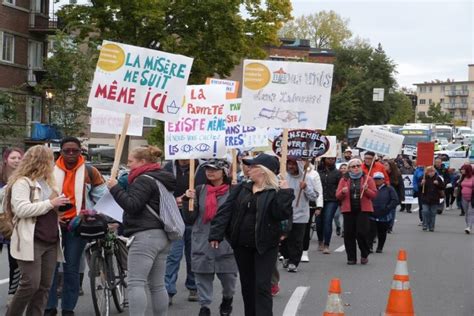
[141,81]
[457,163]
[232,87]
[200,131]
[408,182]
[284,94]
[303,144]
[334,148]
[425,154]
[409,150]
[108,122]
[380,141]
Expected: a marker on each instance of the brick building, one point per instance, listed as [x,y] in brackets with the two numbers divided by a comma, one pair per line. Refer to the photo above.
[24,28]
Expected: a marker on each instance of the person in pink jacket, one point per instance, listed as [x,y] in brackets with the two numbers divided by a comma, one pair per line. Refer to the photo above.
[356,192]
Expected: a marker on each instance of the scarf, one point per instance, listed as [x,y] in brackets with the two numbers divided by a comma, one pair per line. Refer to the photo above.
[357,175]
[211,200]
[141,170]
[69,185]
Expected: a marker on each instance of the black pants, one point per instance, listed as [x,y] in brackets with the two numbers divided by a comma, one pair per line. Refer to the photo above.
[449,196]
[356,228]
[405,207]
[378,229]
[308,230]
[255,272]
[420,213]
[292,247]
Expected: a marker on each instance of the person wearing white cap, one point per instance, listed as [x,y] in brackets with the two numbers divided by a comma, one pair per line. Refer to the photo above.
[347,155]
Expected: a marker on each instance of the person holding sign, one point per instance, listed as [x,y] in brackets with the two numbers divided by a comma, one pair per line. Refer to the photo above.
[150,247]
[371,166]
[356,191]
[432,185]
[251,220]
[206,261]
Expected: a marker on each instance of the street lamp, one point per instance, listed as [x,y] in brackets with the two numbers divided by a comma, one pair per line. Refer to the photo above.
[49,96]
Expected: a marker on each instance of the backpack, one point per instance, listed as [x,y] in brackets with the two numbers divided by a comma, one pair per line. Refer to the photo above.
[170,215]
[6,214]
[92,226]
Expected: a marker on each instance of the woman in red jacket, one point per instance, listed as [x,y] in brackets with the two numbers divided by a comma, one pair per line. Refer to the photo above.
[356,191]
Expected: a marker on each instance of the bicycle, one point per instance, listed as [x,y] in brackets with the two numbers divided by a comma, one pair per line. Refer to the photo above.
[107,272]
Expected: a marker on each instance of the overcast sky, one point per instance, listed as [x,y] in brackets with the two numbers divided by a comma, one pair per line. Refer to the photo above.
[427,39]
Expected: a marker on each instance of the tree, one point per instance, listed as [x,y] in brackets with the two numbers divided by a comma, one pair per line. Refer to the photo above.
[68,76]
[435,115]
[323,29]
[404,112]
[9,120]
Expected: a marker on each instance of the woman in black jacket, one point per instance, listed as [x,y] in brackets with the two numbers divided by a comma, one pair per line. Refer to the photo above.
[396,181]
[150,247]
[251,220]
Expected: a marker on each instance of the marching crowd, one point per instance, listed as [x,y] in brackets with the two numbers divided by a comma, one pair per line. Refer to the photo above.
[236,229]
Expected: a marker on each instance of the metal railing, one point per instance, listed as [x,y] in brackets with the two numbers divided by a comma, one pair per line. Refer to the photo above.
[453,93]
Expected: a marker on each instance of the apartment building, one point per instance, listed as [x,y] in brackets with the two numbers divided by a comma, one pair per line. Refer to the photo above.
[455,97]
[24,28]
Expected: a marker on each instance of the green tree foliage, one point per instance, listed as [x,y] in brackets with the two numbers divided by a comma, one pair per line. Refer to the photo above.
[157,135]
[435,115]
[69,73]
[404,112]
[324,29]
[9,120]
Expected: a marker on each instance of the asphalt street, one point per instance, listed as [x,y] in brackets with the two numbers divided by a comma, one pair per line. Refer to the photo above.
[440,263]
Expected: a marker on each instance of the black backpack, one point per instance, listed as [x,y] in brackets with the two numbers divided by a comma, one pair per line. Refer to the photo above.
[92,227]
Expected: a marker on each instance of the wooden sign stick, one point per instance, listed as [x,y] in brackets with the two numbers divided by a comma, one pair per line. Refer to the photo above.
[192,168]
[119,149]
[284,154]
[367,179]
[234,166]
[306,166]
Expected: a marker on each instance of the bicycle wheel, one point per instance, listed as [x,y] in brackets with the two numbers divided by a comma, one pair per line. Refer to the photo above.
[99,286]
[116,274]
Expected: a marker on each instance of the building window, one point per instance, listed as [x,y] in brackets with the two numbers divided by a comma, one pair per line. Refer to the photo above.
[464,87]
[452,113]
[33,113]
[441,100]
[430,88]
[464,100]
[12,2]
[422,101]
[442,88]
[149,122]
[39,6]
[7,47]
[430,101]
[35,55]
[453,88]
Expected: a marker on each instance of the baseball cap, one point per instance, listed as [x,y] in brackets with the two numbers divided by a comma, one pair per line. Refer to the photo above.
[218,164]
[348,149]
[378,175]
[268,161]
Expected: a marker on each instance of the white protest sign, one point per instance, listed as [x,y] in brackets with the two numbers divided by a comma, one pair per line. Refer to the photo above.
[380,141]
[141,81]
[107,205]
[232,87]
[286,94]
[409,150]
[108,122]
[200,131]
[457,163]
[333,147]
[408,182]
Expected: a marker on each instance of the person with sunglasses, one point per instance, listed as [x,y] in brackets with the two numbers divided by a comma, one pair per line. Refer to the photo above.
[84,186]
[356,191]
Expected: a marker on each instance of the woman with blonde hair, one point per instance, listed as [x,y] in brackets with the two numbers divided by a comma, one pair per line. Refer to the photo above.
[251,220]
[150,247]
[31,197]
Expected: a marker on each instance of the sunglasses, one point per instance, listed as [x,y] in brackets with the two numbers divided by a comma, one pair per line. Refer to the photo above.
[355,166]
[71,151]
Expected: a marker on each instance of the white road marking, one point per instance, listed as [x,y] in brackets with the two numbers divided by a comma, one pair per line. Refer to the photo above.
[4,281]
[415,210]
[340,249]
[291,308]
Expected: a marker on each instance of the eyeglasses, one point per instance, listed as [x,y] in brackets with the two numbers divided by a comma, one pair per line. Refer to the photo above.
[70,151]
[354,166]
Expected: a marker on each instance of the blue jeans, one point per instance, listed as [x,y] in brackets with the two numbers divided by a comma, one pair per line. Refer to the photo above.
[173,261]
[325,222]
[73,249]
[429,215]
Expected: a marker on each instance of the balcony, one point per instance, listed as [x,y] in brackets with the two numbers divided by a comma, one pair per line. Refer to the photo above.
[453,93]
[459,117]
[455,105]
[42,24]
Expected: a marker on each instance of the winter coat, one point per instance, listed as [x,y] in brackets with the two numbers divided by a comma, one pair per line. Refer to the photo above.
[142,191]
[399,188]
[384,203]
[178,172]
[329,179]
[377,167]
[273,206]
[315,179]
[366,201]
[301,212]
[204,258]
[417,176]
[407,170]
[431,194]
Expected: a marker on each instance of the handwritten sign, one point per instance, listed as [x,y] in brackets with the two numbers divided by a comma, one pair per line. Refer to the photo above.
[425,154]
[141,81]
[333,147]
[286,94]
[200,131]
[108,122]
[303,144]
[232,87]
[380,141]
[408,183]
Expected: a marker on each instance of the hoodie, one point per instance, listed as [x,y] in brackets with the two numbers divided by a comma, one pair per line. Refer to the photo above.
[301,212]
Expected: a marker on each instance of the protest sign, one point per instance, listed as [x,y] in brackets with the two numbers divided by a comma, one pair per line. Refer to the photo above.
[302,144]
[200,131]
[107,205]
[108,122]
[141,81]
[232,87]
[457,163]
[425,154]
[380,141]
[408,183]
[286,94]
[409,150]
[334,147]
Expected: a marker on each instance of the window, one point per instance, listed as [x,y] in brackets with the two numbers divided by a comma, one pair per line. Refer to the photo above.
[430,88]
[7,47]
[12,2]
[441,100]
[149,122]
[35,55]
[422,101]
[430,101]
[34,109]
[453,88]
[464,100]
[422,89]
[464,87]
[442,88]
[463,113]
[39,6]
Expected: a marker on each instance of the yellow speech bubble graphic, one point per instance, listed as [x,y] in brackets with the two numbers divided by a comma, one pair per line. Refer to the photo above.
[111,57]
[256,76]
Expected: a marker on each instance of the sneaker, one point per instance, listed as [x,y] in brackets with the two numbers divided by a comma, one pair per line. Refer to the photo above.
[280,258]
[351,262]
[420,224]
[364,260]
[193,296]
[425,229]
[326,250]
[275,289]
[409,211]
[462,214]
[431,229]
[292,268]
[285,263]
[204,311]
[467,230]
[305,257]
[321,246]
[170,300]
[338,231]
[226,306]
[51,312]
[67,313]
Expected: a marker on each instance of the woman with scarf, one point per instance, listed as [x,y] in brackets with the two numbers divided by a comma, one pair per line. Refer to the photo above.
[150,247]
[207,261]
[356,192]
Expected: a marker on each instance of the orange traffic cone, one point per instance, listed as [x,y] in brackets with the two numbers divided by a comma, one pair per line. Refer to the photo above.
[400,302]
[334,303]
